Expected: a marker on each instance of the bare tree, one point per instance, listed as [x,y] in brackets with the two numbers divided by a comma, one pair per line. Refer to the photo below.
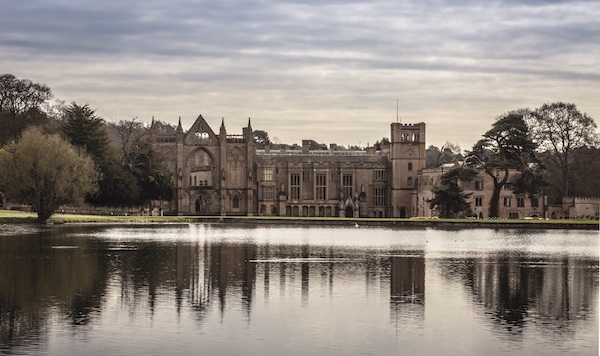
[560,128]
[21,95]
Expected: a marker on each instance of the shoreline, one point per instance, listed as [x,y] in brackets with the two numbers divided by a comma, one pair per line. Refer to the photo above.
[17,217]
[401,223]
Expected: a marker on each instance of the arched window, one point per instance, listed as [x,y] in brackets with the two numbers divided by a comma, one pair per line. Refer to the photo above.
[410,166]
[236,202]
[409,181]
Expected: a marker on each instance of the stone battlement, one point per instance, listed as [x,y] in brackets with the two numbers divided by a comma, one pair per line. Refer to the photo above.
[581,199]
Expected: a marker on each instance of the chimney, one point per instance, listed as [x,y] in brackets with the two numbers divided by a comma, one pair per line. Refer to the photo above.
[305,146]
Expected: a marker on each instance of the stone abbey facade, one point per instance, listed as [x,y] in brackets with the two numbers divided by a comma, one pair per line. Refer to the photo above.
[225,174]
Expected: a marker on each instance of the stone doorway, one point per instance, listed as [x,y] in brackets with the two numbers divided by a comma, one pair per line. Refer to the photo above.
[403,213]
[349,212]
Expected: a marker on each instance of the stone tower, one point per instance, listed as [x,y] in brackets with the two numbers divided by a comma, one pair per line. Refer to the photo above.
[407,154]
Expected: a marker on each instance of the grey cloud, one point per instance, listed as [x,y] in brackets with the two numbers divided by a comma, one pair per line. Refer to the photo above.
[310,54]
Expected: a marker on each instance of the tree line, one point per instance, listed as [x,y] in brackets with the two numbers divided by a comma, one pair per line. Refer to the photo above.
[53,155]
[552,150]
[57,154]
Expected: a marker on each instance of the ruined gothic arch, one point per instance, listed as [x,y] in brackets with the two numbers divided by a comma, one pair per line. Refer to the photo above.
[193,154]
[200,168]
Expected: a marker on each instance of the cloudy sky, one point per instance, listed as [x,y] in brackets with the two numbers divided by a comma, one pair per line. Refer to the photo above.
[328,70]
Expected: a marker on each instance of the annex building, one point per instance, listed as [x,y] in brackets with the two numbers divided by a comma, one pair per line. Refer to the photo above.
[225,174]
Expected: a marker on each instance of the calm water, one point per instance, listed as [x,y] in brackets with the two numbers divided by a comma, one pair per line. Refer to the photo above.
[248,290]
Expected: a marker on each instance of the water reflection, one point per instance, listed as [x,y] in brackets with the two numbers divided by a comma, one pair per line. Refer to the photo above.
[553,293]
[79,278]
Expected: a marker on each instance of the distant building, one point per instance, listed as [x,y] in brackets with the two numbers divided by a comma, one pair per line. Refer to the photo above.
[225,174]
[511,205]
[575,208]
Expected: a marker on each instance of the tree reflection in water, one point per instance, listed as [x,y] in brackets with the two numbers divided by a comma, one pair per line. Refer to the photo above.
[73,275]
[553,293]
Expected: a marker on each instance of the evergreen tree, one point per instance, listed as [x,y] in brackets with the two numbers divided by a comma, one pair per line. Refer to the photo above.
[507,145]
[449,198]
[147,167]
[84,129]
[117,185]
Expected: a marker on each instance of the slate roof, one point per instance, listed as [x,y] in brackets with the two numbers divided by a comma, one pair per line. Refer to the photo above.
[310,159]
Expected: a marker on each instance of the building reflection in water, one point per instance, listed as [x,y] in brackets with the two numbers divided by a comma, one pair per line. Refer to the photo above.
[407,290]
[39,280]
[407,280]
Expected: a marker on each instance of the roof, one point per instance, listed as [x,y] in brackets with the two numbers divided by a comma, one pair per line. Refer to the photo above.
[309,158]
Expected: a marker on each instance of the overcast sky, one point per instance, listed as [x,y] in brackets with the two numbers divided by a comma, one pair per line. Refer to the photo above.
[327,70]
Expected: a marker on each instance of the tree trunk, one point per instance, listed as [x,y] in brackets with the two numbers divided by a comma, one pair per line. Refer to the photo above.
[44,210]
[495,201]
[565,173]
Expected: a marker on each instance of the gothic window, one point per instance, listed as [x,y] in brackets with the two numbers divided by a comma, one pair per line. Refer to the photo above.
[268,174]
[236,202]
[321,186]
[199,160]
[478,185]
[410,166]
[201,137]
[507,201]
[347,186]
[478,201]
[535,202]
[268,193]
[295,186]
[409,181]
[379,174]
[379,196]
[520,202]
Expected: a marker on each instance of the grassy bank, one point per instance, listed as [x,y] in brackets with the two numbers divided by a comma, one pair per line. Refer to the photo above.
[10,216]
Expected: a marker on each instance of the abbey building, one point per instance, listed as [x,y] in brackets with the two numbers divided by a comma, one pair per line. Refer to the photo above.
[225,174]
[222,173]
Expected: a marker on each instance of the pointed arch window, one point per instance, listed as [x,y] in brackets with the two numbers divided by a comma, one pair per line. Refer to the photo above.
[235,202]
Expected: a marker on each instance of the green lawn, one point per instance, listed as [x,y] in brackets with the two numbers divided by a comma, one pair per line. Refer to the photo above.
[12,216]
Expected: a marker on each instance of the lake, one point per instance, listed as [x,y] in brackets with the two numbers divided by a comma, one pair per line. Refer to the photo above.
[217,289]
